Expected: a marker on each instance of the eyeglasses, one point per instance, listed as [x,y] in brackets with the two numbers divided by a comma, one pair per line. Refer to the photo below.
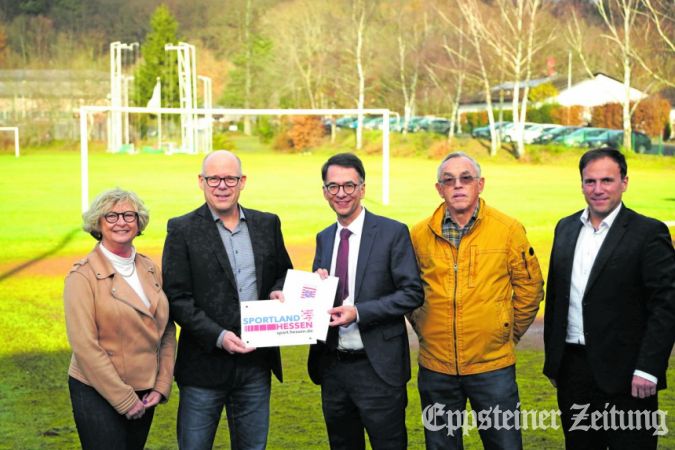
[128,216]
[215,181]
[463,180]
[334,188]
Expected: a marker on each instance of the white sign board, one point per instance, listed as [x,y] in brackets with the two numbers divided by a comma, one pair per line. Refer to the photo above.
[299,320]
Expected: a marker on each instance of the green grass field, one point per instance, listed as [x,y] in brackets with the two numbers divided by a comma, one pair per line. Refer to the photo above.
[40,236]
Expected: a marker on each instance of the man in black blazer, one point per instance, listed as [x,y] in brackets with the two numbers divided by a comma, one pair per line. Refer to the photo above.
[610,313]
[215,257]
[364,365]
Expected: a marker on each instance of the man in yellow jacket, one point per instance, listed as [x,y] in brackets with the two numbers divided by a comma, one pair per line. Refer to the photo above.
[482,286]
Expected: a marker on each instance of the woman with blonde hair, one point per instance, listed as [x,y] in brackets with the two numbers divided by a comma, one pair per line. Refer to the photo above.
[117,321]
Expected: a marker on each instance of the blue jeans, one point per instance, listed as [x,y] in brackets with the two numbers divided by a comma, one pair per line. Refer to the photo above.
[247,403]
[100,426]
[444,399]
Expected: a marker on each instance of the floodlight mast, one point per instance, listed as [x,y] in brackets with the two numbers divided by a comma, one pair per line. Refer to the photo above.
[117,85]
[187,87]
[207,123]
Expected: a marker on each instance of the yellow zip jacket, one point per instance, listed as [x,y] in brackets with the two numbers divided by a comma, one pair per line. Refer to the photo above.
[480,298]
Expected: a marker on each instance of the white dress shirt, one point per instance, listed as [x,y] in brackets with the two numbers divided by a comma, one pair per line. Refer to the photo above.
[350,337]
[588,245]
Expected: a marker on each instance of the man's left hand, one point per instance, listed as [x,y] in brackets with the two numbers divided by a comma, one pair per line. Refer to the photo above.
[641,388]
[342,315]
[277,295]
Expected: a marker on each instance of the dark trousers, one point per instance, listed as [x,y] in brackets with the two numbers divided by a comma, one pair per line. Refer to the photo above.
[100,427]
[581,400]
[354,397]
[443,398]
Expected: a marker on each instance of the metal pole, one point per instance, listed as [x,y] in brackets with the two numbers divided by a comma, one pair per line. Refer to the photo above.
[84,160]
[159,117]
[385,157]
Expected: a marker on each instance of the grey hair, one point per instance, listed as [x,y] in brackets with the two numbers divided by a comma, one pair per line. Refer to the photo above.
[221,152]
[452,155]
[104,202]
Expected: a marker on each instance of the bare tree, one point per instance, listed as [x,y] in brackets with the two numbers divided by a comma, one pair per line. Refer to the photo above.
[518,47]
[577,40]
[619,17]
[412,29]
[477,35]
[301,36]
[449,72]
[660,14]
[359,14]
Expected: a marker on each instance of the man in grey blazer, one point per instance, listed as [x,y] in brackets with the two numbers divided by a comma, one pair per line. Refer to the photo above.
[215,257]
[610,314]
[364,365]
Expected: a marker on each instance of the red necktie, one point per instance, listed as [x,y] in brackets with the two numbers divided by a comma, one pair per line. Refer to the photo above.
[342,266]
[341,271]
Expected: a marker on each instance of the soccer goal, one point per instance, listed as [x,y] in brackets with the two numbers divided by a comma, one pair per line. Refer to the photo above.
[16,138]
[85,111]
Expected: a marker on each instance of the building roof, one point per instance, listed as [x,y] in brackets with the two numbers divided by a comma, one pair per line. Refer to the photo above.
[596,91]
[599,90]
[45,84]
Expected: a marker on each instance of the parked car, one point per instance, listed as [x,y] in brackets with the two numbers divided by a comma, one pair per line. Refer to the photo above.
[640,142]
[414,124]
[441,126]
[579,137]
[345,122]
[373,123]
[396,124]
[509,134]
[533,132]
[424,123]
[550,135]
[484,132]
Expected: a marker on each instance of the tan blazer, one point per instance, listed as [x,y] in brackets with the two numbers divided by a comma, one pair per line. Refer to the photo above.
[119,345]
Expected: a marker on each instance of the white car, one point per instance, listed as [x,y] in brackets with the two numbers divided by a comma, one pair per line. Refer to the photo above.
[531,131]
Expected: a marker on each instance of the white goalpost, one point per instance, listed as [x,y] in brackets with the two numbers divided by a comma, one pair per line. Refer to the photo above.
[209,112]
[16,138]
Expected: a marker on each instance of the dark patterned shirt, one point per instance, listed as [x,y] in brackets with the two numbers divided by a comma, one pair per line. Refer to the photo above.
[452,231]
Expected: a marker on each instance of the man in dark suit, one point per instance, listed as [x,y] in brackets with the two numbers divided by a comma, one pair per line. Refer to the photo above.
[610,313]
[215,257]
[364,365]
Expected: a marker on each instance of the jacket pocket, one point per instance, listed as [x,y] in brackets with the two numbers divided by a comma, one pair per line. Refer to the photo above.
[484,264]
[392,332]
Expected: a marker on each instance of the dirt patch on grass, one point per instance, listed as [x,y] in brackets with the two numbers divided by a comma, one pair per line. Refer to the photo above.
[301,255]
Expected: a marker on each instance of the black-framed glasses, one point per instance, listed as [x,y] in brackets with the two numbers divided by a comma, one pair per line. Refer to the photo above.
[463,180]
[128,216]
[334,188]
[214,181]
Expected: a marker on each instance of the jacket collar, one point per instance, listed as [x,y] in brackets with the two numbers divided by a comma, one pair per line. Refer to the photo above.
[121,290]
[609,245]
[103,268]
[257,234]
[436,221]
